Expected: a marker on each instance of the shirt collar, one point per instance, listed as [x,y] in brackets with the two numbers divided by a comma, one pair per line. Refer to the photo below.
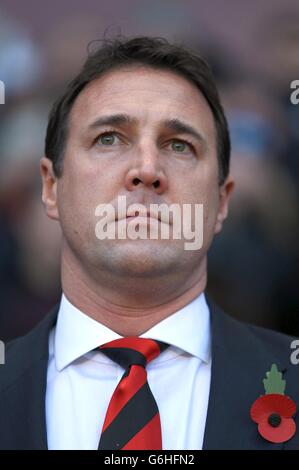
[187,329]
[76,333]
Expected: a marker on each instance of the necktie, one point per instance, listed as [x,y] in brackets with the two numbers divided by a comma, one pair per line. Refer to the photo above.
[132,420]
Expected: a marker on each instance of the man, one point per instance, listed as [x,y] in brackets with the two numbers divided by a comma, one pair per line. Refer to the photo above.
[135,356]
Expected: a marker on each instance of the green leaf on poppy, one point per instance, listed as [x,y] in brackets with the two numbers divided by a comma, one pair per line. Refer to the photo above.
[274,382]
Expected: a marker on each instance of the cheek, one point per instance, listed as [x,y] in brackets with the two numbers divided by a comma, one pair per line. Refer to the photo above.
[88,185]
[211,209]
[201,188]
[95,180]
[205,190]
[76,204]
[80,191]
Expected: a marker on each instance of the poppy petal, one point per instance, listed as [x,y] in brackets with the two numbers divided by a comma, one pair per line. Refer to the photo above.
[272,403]
[281,433]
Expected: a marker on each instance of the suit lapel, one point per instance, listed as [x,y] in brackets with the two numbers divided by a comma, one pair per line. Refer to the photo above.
[239,363]
[23,382]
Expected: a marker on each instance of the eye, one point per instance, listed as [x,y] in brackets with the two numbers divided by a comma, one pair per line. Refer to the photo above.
[180,146]
[107,139]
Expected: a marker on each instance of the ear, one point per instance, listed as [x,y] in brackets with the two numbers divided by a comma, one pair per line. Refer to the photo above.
[49,189]
[225,191]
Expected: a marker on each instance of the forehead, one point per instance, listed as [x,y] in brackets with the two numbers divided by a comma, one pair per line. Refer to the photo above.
[149,95]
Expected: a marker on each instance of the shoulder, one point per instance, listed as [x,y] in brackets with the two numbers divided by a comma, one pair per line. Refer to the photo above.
[272,340]
[22,352]
[248,342]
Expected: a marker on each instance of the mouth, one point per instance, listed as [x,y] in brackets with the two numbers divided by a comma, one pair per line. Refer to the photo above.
[142,219]
[152,213]
[149,215]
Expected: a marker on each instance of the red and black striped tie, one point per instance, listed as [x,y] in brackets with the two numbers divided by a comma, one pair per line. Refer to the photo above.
[132,420]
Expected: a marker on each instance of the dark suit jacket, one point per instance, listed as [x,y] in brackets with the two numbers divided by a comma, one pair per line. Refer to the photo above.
[241,355]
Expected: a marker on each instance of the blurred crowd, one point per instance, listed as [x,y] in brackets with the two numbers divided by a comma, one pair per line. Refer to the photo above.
[253,263]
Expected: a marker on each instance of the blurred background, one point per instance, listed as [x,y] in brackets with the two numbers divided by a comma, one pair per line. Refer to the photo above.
[253,48]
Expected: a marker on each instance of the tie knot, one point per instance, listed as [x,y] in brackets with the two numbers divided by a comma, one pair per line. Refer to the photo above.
[133,350]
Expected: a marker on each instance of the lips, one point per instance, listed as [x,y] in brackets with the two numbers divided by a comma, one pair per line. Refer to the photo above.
[149,214]
[125,209]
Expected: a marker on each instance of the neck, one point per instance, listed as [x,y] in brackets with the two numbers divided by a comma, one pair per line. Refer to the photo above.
[129,306]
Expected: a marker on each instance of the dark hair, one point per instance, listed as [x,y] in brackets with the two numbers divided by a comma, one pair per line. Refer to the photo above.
[154,52]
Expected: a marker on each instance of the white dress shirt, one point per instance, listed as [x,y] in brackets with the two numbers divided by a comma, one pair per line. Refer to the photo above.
[81,381]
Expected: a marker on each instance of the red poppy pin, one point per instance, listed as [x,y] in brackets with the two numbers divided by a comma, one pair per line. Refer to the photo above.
[273,411]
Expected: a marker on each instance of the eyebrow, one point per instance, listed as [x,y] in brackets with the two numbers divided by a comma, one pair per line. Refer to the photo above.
[181,127]
[113,119]
[175,124]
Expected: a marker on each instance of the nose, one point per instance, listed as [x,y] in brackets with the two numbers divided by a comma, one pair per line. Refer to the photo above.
[147,171]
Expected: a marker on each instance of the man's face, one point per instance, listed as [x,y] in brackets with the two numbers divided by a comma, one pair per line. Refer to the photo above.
[124,140]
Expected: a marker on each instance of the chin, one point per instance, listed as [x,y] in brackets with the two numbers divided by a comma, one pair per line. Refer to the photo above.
[142,259]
